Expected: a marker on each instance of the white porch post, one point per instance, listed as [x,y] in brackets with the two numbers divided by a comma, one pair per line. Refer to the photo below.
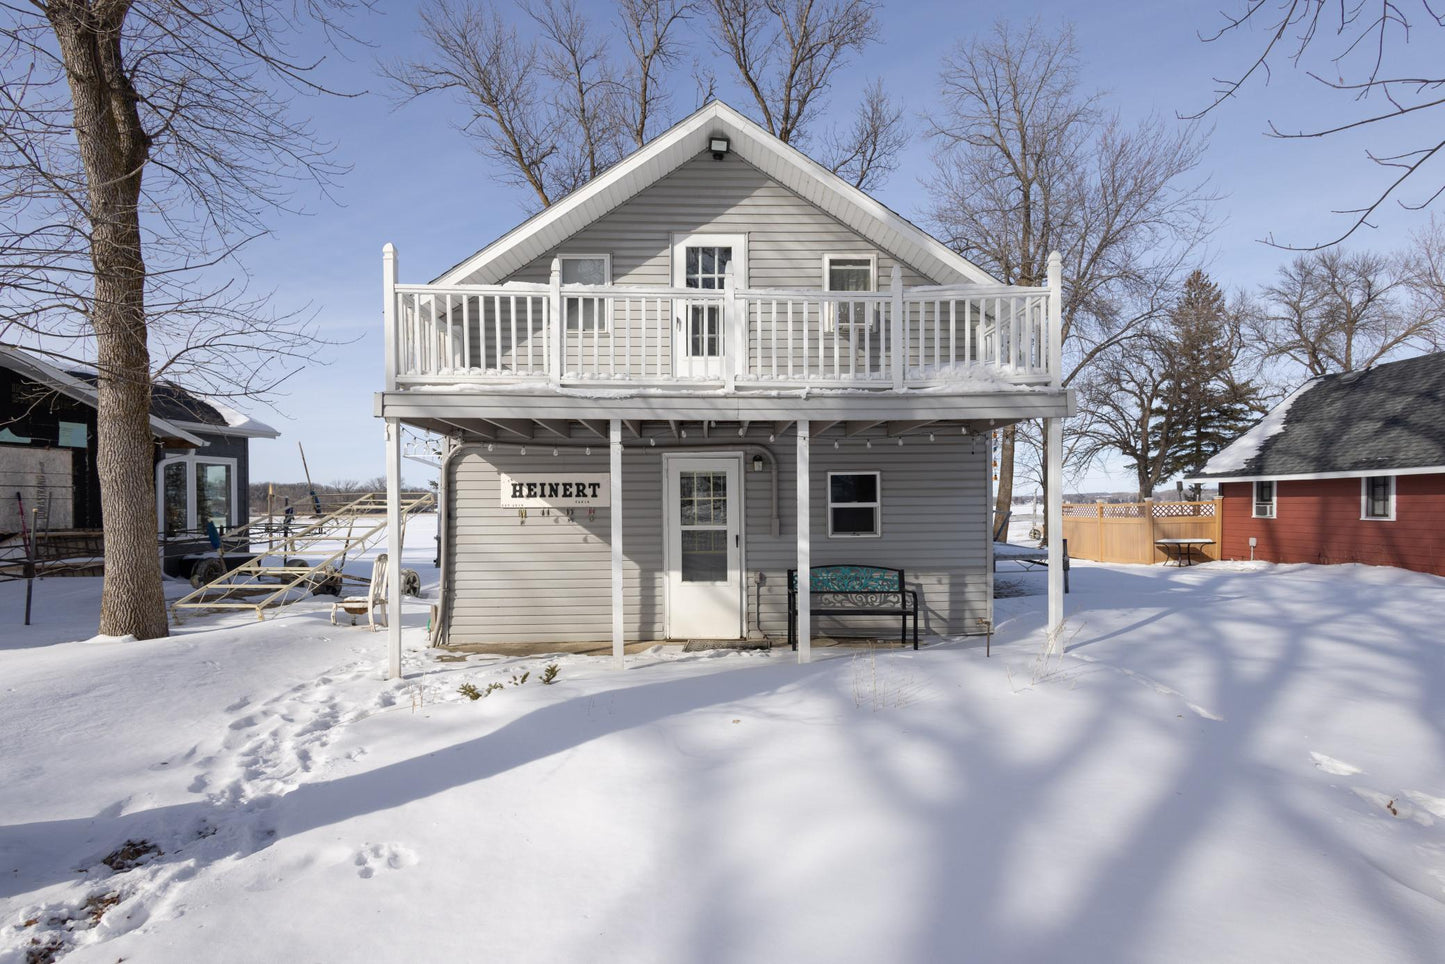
[556,347]
[1054,427]
[805,581]
[1055,522]
[615,497]
[389,327]
[897,325]
[393,547]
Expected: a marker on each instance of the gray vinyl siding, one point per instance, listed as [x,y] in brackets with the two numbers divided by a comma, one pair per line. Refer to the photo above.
[548,579]
[787,236]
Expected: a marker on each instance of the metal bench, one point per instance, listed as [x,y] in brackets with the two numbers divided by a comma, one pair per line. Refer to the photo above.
[871,590]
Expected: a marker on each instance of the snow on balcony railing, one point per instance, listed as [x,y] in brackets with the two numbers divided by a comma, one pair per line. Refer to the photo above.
[658,336]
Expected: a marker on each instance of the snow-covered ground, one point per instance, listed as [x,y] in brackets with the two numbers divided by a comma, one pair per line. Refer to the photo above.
[1235,762]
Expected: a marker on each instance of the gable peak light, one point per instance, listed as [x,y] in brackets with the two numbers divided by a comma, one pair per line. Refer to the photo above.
[718,146]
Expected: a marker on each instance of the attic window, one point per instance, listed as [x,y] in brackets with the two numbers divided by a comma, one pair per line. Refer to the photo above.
[585,312]
[851,273]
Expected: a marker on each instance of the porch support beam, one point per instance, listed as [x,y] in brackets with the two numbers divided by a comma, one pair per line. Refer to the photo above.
[393,548]
[634,426]
[780,427]
[903,428]
[473,427]
[804,564]
[558,427]
[822,427]
[520,427]
[596,426]
[1055,522]
[672,424]
[858,428]
[615,498]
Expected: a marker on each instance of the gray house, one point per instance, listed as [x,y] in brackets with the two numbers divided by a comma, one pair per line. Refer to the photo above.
[712,364]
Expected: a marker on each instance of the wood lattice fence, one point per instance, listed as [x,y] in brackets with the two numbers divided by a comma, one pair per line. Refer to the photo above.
[1126,531]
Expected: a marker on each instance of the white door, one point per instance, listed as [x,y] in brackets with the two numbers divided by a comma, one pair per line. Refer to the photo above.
[699,330]
[704,547]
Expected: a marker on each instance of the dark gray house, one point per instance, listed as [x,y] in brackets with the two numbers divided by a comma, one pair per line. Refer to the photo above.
[712,364]
[47,455]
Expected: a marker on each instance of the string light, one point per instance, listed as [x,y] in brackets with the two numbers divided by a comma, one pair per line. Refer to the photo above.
[900,441]
[770,436]
[589,450]
[489,446]
[835,443]
[652,442]
[554,453]
[870,443]
[524,450]
[930,436]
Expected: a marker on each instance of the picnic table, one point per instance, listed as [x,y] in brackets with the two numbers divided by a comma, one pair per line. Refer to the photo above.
[1028,557]
[1183,550]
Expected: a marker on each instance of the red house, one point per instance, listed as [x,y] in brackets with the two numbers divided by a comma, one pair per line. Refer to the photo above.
[1349,468]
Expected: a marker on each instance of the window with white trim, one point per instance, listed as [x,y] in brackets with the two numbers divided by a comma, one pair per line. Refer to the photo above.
[1264,500]
[1377,498]
[585,312]
[851,272]
[192,491]
[854,504]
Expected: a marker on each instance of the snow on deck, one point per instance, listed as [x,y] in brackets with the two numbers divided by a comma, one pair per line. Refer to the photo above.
[1236,762]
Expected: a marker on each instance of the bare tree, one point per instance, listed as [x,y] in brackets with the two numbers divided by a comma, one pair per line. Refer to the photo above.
[649,28]
[1356,50]
[866,152]
[143,143]
[1028,162]
[556,111]
[786,54]
[1335,311]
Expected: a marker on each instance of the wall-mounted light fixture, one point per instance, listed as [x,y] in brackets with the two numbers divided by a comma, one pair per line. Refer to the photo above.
[718,146]
[757,463]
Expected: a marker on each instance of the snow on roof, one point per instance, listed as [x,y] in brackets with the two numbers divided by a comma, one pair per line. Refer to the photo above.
[240,423]
[1236,455]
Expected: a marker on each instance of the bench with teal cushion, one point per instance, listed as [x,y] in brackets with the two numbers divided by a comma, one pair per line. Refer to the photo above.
[866,590]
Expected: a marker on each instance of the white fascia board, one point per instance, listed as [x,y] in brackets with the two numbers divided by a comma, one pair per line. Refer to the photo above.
[685,140]
[253,430]
[1316,476]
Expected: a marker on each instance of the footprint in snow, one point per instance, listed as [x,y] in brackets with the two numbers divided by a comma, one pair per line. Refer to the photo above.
[374,857]
[1335,767]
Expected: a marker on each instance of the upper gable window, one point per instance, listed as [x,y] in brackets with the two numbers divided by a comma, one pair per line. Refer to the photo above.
[585,312]
[850,272]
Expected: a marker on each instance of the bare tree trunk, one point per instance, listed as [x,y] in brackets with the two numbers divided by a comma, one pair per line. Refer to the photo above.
[114,148]
[1003,501]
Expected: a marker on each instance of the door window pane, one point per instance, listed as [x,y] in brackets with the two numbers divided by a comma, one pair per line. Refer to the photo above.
[213,495]
[703,505]
[173,497]
[704,331]
[706,266]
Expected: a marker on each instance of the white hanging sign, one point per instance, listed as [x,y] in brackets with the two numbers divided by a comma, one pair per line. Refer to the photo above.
[556,490]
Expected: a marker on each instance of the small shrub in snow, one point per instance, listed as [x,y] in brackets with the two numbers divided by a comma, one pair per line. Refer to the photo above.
[472,693]
[131,854]
[519,680]
[549,673]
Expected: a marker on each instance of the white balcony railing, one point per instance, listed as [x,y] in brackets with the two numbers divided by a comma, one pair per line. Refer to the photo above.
[969,337]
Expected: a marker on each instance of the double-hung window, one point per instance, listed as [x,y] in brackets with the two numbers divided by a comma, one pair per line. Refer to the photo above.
[585,312]
[1264,499]
[847,272]
[854,504]
[1377,498]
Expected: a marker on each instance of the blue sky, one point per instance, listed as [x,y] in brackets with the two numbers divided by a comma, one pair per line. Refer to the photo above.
[419,184]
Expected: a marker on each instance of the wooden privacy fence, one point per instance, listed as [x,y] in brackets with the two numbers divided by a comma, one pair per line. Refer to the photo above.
[1126,531]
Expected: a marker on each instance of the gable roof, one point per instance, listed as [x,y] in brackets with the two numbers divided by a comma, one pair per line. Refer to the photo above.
[682,142]
[175,412]
[1385,420]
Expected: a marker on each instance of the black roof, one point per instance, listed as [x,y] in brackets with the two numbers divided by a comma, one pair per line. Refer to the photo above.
[1388,417]
[171,402]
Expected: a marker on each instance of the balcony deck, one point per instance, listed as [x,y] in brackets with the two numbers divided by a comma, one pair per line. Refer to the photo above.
[620,339]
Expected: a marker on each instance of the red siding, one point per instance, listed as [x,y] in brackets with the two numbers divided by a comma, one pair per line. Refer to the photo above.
[1319,521]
